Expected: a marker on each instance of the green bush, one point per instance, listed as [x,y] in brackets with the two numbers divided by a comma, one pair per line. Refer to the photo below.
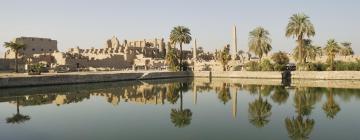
[279,67]
[312,67]
[266,65]
[347,66]
[252,66]
[280,58]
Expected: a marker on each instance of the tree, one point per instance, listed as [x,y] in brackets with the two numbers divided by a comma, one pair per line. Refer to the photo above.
[16,47]
[346,49]
[259,42]
[224,57]
[181,117]
[298,27]
[310,51]
[280,58]
[259,112]
[17,118]
[299,128]
[180,35]
[332,49]
[172,59]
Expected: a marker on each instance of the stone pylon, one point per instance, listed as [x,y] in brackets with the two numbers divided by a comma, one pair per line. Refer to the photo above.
[194,49]
[233,49]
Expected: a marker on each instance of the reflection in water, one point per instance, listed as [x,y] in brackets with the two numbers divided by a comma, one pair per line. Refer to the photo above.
[181,117]
[259,112]
[17,118]
[331,108]
[298,126]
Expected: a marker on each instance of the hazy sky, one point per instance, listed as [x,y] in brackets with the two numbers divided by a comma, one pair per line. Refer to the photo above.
[88,23]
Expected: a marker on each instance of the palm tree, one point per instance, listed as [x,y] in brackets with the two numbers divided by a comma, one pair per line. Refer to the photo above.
[299,26]
[331,108]
[180,35]
[332,49]
[17,118]
[310,51]
[259,42]
[172,59]
[181,117]
[16,47]
[346,50]
[259,112]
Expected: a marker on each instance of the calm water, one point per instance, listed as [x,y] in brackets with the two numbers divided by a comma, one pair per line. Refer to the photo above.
[179,109]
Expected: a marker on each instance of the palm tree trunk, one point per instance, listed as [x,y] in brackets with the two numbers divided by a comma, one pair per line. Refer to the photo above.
[16,61]
[181,57]
[300,43]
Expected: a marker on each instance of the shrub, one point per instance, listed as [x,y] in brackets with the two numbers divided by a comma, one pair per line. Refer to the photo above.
[35,69]
[252,66]
[266,65]
[347,66]
[280,58]
[279,67]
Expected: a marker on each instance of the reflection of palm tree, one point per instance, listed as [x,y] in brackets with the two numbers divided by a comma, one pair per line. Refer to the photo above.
[266,90]
[224,94]
[280,95]
[181,117]
[299,128]
[17,118]
[304,101]
[331,108]
[259,111]
[172,94]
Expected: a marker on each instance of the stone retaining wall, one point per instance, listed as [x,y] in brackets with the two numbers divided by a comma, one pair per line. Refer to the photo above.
[71,78]
[326,75]
[239,74]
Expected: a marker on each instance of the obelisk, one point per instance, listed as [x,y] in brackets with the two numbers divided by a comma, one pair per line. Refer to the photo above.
[194,49]
[234,43]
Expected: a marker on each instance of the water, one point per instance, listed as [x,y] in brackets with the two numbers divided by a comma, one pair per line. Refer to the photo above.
[179,109]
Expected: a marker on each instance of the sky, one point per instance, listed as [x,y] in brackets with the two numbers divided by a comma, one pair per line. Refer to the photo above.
[89,23]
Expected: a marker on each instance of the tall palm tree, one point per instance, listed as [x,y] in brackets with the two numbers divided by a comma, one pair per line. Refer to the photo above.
[16,47]
[180,35]
[332,49]
[17,118]
[298,27]
[331,108]
[181,117]
[259,42]
[259,112]
[346,49]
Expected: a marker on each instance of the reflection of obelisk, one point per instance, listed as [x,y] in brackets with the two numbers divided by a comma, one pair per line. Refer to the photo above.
[194,49]
[194,94]
[233,91]
[233,49]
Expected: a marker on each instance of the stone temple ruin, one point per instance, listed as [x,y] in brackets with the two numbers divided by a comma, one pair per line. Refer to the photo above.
[116,55]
